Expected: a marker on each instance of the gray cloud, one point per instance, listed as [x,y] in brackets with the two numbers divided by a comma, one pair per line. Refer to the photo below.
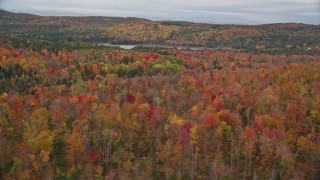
[211,11]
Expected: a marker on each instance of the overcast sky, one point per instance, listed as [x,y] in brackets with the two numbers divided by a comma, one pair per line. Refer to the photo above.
[211,11]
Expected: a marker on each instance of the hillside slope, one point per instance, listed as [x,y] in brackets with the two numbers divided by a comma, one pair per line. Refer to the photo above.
[20,27]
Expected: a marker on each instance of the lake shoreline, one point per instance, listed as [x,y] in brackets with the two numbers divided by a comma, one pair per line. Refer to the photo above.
[131,46]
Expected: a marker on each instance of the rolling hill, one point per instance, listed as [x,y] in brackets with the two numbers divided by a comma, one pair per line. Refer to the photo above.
[27,30]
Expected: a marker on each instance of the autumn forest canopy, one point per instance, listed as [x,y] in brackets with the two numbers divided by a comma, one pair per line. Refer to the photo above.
[247,107]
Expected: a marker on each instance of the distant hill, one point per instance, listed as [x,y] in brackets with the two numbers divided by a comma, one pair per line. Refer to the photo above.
[17,27]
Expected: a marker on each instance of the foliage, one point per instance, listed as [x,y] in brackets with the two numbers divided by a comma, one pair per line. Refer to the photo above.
[167,113]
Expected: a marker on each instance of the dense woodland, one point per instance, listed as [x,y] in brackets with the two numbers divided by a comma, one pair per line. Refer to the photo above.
[73,110]
[173,114]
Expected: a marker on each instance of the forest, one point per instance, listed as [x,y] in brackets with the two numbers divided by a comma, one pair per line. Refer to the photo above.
[176,114]
[65,32]
[89,112]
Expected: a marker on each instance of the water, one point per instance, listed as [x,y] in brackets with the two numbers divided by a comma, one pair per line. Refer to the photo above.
[131,46]
[127,47]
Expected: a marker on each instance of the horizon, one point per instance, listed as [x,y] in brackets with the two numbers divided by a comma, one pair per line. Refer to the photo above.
[80,15]
[246,12]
